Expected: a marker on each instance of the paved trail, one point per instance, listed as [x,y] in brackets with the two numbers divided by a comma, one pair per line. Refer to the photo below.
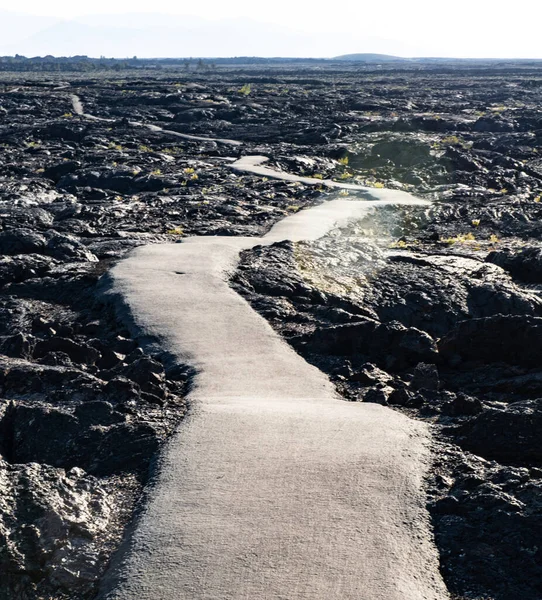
[273,488]
[79,110]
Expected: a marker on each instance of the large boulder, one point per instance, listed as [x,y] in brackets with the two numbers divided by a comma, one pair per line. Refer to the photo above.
[511,436]
[21,241]
[79,352]
[525,264]
[390,344]
[515,340]
[50,531]
[23,266]
[52,436]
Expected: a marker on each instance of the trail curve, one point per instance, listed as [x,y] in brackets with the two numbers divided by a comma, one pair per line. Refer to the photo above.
[273,488]
[79,110]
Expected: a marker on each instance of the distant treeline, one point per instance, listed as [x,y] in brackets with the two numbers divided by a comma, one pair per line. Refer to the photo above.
[357,61]
[85,63]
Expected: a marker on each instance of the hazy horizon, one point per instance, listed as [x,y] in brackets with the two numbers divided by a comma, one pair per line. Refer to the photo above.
[240,28]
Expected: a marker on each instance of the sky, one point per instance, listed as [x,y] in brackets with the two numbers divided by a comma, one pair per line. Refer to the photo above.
[462,28]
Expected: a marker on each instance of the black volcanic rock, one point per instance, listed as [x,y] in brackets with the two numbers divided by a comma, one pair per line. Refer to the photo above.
[56,172]
[78,352]
[511,435]
[514,340]
[77,194]
[525,265]
[390,344]
[52,525]
[21,241]
[21,267]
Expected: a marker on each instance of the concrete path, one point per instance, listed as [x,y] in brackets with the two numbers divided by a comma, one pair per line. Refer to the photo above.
[78,109]
[273,488]
[253,164]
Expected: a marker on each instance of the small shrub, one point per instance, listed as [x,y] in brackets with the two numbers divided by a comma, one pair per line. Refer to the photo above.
[176,231]
[460,239]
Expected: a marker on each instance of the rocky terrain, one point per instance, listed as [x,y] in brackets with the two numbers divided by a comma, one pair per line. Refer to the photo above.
[432,310]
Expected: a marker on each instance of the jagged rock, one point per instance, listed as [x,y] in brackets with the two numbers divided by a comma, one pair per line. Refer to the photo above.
[51,523]
[525,265]
[120,448]
[52,436]
[370,374]
[56,172]
[21,267]
[117,180]
[70,133]
[21,241]
[120,389]
[20,377]
[425,377]
[493,124]
[18,345]
[462,405]
[376,395]
[147,373]
[56,359]
[515,340]
[511,435]
[78,352]
[485,504]
[391,344]
[97,412]
[68,247]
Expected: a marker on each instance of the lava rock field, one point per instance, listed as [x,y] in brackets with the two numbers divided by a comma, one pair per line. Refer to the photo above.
[432,310]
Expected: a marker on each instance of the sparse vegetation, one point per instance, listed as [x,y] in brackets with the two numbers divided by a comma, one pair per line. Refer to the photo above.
[176,231]
[461,238]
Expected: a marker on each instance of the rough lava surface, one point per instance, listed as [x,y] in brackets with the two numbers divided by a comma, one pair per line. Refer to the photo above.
[434,311]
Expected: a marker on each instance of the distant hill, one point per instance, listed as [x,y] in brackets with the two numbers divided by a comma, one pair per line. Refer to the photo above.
[372,58]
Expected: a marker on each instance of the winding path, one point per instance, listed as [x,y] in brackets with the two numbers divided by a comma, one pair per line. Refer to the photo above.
[79,110]
[273,488]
